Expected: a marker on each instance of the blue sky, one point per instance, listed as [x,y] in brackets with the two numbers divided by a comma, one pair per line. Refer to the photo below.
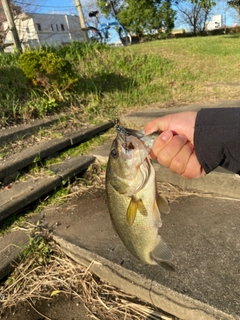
[53,6]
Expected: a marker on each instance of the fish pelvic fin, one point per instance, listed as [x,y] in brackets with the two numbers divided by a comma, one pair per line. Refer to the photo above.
[134,205]
[162,204]
[156,215]
[162,253]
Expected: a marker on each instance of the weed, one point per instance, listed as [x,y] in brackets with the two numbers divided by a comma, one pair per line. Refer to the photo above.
[38,249]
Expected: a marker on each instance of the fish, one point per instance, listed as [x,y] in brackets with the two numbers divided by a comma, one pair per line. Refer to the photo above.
[133,201]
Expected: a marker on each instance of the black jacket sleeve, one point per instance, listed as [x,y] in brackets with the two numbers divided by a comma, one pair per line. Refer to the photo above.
[217,138]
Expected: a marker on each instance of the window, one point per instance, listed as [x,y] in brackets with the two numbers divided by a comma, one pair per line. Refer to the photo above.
[62,27]
[39,28]
[57,27]
[52,27]
[27,29]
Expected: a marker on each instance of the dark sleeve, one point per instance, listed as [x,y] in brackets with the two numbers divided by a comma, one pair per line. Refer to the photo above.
[217,138]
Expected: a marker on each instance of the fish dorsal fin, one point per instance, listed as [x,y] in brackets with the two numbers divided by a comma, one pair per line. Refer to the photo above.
[162,204]
[161,252]
[134,205]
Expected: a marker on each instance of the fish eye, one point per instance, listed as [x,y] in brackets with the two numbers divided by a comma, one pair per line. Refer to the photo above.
[114,153]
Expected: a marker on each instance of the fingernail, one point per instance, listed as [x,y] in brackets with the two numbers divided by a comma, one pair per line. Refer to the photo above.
[166,135]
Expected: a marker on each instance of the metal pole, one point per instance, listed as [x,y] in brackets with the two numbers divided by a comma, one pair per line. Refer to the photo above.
[112,7]
[11,24]
[81,19]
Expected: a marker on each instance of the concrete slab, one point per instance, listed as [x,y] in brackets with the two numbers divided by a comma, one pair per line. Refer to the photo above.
[203,234]
[10,247]
[140,118]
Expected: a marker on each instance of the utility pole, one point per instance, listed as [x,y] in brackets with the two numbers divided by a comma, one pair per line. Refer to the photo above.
[11,24]
[81,19]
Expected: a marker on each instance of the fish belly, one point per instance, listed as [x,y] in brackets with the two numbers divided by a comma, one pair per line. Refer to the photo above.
[142,236]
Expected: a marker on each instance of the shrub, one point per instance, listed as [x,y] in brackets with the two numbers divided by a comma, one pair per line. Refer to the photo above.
[48,70]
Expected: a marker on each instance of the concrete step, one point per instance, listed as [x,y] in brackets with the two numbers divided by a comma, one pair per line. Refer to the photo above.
[18,161]
[21,194]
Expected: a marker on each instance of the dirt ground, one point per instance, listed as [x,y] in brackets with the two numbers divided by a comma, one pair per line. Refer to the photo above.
[59,307]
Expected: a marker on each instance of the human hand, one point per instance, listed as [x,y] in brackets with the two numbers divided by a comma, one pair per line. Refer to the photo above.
[174,148]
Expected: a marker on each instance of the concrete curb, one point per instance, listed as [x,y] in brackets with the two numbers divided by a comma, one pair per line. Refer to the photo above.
[145,289]
[18,161]
[17,132]
[218,182]
[24,193]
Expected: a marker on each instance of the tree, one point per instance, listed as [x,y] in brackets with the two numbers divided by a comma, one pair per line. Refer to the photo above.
[143,17]
[195,13]
[235,4]
[204,3]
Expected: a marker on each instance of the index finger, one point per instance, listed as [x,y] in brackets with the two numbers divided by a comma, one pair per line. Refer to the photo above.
[161,124]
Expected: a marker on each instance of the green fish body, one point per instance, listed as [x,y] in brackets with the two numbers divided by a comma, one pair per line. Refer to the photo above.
[132,198]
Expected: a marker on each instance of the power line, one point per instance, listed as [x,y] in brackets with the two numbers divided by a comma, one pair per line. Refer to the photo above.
[21,3]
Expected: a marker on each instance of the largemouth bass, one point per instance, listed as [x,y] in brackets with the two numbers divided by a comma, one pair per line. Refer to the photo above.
[132,198]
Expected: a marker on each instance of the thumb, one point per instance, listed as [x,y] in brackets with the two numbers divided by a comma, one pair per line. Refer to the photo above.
[159,124]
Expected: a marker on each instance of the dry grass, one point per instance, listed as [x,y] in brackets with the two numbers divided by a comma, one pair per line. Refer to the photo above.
[46,271]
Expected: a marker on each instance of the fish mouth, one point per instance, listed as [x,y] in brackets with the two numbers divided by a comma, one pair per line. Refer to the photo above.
[123,133]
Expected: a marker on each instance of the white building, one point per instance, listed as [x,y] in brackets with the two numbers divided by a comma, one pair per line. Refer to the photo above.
[215,23]
[36,29]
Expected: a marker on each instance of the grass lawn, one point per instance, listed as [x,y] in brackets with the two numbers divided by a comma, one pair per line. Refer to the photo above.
[170,72]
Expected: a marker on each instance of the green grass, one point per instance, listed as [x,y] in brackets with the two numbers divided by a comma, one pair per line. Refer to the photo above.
[113,80]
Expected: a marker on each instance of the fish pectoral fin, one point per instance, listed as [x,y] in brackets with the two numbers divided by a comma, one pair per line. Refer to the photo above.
[162,252]
[162,204]
[132,211]
[134,205]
